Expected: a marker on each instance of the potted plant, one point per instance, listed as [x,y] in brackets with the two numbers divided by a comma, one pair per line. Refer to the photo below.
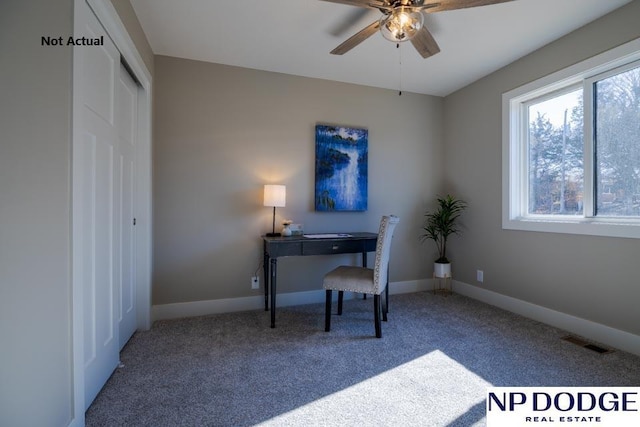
[439,225]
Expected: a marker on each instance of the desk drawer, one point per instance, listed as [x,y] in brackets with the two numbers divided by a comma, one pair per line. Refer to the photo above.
[333,247]
[285,249]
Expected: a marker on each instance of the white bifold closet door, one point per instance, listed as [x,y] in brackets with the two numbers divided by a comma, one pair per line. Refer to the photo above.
[106,189]
[127,125]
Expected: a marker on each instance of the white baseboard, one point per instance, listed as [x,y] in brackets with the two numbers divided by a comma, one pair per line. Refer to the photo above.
[228,305]
[594,331]
[591,330]
[203,308]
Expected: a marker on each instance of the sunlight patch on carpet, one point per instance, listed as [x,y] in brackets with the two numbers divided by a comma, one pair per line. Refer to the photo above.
[430,390]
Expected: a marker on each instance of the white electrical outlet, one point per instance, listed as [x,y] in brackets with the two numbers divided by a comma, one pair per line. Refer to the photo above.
[480,276]
[255,282]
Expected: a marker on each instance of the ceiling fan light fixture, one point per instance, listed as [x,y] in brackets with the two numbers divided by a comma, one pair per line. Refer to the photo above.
[401,24]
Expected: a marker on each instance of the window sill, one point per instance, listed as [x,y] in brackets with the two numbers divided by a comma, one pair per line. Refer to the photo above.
[610,227]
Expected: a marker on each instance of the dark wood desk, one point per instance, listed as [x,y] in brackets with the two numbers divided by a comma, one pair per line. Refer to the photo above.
[275,247]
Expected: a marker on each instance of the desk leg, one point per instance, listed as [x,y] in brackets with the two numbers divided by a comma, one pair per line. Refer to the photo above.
[265,268]
[274,267]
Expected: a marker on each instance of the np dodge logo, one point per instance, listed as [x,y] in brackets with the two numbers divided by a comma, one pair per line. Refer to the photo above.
[553,406]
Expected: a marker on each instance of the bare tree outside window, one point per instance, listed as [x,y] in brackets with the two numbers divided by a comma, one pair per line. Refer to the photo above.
[617,141]
[555,155]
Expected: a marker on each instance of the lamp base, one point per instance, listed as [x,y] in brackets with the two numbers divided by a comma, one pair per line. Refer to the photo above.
[273,234]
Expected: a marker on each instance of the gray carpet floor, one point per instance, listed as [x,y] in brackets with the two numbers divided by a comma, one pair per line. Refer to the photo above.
[432,366]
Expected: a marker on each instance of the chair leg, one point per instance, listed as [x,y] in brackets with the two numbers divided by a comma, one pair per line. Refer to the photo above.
[385,304]
[327,312]
[340,298]
[376,315]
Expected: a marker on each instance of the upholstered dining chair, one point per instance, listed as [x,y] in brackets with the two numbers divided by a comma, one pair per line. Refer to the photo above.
[364,280]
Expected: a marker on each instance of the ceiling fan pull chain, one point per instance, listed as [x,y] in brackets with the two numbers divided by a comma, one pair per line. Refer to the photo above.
[400,63]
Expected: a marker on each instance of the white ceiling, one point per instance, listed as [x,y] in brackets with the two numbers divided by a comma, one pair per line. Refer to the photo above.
[294,37]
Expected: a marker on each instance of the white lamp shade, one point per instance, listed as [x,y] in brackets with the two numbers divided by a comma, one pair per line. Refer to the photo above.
[275,195]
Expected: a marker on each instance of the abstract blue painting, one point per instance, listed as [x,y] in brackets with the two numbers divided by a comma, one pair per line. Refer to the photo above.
[341,168]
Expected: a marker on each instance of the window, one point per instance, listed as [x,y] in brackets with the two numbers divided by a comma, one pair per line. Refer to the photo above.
[572,144]
[617,143]
[555,153]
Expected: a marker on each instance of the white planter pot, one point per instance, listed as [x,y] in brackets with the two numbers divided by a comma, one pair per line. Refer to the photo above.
[441,270]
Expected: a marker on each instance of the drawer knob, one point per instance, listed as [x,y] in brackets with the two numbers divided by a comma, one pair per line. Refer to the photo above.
[335,247]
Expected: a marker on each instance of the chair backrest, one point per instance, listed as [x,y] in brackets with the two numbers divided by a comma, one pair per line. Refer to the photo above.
[383,249]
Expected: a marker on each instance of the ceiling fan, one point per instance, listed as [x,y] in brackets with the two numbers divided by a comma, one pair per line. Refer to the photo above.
[403,20]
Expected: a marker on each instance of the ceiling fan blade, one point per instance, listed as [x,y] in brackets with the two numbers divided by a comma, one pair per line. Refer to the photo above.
[444,5]
[356,39]
[361,3]
[424,43]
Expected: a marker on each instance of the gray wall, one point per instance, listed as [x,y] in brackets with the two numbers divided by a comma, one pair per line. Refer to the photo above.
[35,257]
[222,132]
[595,278]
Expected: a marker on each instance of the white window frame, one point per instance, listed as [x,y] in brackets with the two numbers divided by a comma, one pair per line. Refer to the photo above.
[514,147]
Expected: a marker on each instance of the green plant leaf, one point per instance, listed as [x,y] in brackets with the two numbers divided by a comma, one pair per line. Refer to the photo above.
[443,222]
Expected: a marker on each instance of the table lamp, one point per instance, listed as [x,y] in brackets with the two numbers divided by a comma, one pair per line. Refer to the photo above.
[274,195]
